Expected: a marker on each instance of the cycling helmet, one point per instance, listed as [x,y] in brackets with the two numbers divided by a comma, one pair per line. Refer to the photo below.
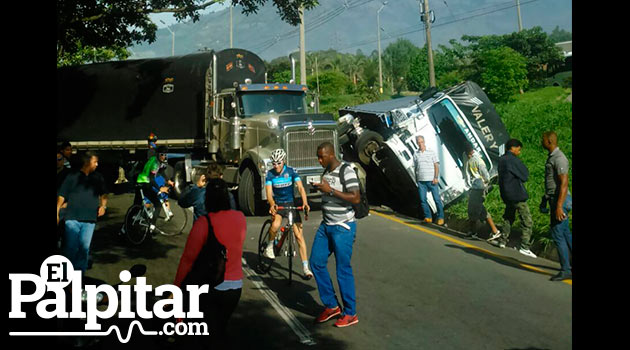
[278,155]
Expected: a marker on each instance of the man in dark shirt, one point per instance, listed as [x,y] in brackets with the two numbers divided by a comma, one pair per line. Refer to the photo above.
[85,193]
[66,151]
[512,177]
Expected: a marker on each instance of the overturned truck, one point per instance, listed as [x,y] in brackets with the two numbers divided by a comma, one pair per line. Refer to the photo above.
[381,136]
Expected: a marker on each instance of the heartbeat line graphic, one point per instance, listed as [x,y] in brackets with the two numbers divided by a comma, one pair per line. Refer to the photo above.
[108,332]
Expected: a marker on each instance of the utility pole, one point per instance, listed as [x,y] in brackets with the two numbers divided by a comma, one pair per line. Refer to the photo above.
[427,18]
[378,35]
[518,11]
[231,42]
[172,41]
[317,74]
[302,49]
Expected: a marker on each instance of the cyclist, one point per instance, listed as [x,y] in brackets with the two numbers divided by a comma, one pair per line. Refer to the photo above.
[152,184]
[279,184]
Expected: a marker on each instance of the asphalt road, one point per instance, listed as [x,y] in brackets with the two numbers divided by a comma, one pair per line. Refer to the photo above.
[418,287]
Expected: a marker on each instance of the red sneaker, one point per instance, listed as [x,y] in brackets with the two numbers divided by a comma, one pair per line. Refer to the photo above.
[346,321]
[327,314]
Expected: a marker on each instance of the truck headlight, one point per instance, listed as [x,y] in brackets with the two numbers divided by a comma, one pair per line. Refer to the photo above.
[272,123]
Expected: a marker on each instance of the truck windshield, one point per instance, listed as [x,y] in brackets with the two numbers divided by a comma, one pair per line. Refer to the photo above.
[252,103]
[453,132]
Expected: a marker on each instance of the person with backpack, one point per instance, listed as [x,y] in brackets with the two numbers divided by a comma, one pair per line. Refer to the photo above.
[214,237]
[336,235]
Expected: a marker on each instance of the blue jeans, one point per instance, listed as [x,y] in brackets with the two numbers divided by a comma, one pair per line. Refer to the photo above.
[334,239]
[76,243]
[561,233]
[423,188]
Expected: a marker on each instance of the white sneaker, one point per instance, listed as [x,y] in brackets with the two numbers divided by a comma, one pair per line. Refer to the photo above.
[307,273]
[527,252]
[268,253]
[494,236]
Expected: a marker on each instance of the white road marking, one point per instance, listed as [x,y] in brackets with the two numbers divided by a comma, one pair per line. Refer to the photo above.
[283,311]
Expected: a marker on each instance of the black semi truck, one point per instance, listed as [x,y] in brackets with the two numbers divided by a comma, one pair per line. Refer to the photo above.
[204,106]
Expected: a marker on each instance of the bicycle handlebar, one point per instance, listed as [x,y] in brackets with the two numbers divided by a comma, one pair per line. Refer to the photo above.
[290,208]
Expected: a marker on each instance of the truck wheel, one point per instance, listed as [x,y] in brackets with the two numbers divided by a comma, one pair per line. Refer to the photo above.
[247,193]
[368,143]
[179,178]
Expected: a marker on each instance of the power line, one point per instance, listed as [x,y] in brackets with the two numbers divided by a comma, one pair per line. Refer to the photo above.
[315,23]
[415,29]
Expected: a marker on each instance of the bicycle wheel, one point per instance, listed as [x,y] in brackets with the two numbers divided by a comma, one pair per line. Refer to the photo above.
[290,252]
[136,224]
[264,263]
[176,224]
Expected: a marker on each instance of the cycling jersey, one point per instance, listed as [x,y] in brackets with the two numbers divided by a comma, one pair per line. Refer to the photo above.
[282,184]
[150,168]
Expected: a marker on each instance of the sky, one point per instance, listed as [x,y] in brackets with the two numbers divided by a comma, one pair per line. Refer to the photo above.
[354,28]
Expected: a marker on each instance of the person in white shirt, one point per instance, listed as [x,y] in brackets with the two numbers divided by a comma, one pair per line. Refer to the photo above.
[427,169]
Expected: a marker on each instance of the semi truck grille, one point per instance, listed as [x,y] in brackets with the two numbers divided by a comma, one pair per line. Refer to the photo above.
[302,147]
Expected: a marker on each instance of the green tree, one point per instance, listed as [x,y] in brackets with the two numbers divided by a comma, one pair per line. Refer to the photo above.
[418,75]
[117,24]
[396,59]
[504,73]
[279,70]
[330,83]
[559,35]
[534,44]
[92,54]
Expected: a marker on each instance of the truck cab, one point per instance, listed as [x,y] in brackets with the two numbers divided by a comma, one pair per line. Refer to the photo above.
[251,118]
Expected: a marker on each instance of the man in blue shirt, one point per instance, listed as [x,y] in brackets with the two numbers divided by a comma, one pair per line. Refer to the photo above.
[279,184]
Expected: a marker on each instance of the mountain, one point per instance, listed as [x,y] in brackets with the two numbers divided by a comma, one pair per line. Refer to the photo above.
[350,25]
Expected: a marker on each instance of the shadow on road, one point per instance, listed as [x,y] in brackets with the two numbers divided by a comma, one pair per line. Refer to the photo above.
[295,296]
[503,260]
[110,248]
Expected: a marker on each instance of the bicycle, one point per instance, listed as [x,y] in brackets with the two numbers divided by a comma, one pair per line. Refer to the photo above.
[264,263]
[138,220]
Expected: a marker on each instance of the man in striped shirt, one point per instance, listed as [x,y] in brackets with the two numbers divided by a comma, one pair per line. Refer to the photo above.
[335,235]
[427,168]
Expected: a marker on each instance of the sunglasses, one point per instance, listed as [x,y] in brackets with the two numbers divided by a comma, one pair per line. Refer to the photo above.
[163,154]
[276,163]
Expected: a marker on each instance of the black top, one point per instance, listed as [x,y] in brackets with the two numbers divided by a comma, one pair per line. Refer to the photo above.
[512,176]
[82,193]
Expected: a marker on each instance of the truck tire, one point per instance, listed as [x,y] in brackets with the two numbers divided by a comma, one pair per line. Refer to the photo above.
[368,143]
[247,193]
[179,178]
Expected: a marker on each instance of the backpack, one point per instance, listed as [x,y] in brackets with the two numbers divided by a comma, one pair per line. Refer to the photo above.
[362,209]
[209,267]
